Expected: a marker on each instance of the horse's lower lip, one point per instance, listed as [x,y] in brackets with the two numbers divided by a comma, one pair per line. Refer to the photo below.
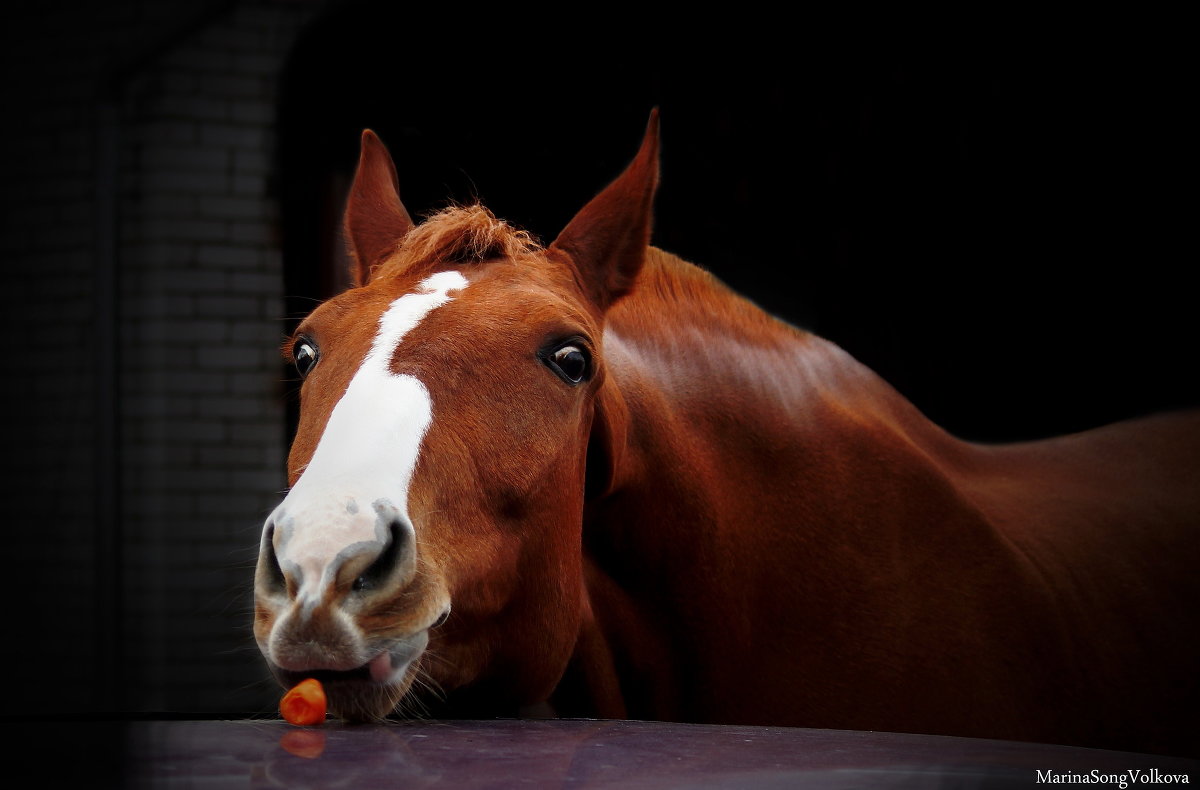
[386,668]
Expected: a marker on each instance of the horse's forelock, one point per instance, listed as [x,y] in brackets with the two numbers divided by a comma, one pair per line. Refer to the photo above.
[459,234]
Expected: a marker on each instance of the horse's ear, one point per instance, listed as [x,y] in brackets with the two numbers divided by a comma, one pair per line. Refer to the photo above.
[606,241]
[375,219]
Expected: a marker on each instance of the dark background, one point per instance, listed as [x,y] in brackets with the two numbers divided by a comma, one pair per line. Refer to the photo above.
[1000,231]
[997,218]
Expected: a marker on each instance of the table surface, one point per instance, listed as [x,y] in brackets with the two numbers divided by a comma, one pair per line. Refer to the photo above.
[548,753]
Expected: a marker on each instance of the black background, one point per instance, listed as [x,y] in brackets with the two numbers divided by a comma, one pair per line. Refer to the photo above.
[997,224]
[997,218]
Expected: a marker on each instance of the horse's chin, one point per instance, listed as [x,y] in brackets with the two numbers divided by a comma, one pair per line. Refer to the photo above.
[367,693]
[357,701]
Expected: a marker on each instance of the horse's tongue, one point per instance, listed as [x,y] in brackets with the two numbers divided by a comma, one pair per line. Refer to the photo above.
[381,667]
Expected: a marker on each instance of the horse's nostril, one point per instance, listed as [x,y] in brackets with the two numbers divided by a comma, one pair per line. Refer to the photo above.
[442,618]
[380,572]
[269,569]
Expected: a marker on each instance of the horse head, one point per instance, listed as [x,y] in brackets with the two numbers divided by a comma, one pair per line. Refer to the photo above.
[453,419]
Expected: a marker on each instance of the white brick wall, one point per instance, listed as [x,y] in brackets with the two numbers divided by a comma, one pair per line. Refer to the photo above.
[200,302]
[202,297]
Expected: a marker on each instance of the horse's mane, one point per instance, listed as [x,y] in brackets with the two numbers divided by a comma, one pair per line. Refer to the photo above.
[460,234]
[670,286]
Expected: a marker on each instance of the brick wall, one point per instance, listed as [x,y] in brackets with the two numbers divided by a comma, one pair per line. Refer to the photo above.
[144,289]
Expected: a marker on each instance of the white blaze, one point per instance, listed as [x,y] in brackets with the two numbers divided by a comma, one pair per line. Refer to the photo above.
[366,454]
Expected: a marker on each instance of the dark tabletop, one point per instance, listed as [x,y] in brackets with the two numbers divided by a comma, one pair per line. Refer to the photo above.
[544,753]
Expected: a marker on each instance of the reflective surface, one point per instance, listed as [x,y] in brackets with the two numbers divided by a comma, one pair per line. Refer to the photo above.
[540,753]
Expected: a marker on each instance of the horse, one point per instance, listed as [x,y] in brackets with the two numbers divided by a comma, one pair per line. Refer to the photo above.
[587,479]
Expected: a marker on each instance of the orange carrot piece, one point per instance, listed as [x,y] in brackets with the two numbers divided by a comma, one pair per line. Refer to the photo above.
[305,704]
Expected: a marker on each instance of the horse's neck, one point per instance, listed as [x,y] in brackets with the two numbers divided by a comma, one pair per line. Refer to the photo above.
[703,365]
[769,491]
[740,436]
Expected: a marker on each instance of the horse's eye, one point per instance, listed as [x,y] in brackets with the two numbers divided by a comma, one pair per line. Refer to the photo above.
[570,362]
[304,354]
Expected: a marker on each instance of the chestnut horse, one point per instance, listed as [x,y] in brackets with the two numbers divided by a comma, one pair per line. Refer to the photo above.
[588,477]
